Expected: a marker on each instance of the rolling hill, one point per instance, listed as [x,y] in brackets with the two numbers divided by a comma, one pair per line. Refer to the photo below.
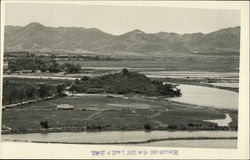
[124,82]
[37,37]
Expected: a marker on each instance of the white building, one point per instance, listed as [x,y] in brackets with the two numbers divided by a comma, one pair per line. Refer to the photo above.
[65,107]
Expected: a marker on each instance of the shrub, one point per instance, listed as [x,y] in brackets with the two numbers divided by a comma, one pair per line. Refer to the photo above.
[44,124]
[71,68]
[172,126]
[191,124]
[147,126]
[125,71]
[85,78]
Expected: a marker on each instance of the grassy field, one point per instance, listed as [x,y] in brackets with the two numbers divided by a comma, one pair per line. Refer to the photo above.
[113,113]
[174,63]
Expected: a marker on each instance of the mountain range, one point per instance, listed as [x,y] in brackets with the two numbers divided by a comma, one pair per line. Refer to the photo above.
[37,37]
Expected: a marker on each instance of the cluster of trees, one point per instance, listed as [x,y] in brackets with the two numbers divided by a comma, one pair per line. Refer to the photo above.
[147,126]
[71,67]
[33,63]
[37,63]
[190,126]
[97,127]
[124,83]
[18,92]
[13,93]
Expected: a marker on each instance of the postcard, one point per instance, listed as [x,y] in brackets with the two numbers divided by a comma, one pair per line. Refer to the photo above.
[124,79]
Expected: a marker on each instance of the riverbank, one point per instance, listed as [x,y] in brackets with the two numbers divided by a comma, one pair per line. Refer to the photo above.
[191,127]
[135,142]
[200,82]
[225,139]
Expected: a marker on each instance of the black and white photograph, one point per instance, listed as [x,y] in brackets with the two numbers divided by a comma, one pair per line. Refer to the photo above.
[107,75]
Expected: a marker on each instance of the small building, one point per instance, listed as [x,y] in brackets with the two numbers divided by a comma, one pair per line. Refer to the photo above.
[5,65]
[7,71]
[6,129]
[95,90]
[38,71]
[62,73]
[26,71]
[65,107]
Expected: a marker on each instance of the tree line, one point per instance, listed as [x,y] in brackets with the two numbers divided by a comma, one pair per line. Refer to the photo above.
[18,92]
[42,64]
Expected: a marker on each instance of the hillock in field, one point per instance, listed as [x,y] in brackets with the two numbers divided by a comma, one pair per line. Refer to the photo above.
[124,82]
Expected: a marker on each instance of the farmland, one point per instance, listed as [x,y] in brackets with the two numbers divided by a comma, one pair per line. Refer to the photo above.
[131,111]
[174,63]
[107,112]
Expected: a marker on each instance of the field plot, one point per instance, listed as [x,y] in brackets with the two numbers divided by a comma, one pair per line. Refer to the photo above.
[231,85]
[169,63]
[191,74]
[111,113]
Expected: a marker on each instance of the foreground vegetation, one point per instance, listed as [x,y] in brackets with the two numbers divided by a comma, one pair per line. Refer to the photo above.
[17,90]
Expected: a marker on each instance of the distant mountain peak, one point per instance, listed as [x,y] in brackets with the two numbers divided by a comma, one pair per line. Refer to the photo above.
[96,30]
[36,36]
[35,25]
[136,31]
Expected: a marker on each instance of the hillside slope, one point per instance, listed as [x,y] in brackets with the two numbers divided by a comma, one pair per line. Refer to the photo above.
[36,37]
[124,83]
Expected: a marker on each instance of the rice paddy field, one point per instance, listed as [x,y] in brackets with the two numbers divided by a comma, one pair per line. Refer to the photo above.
[178,62]
[231,85]
[112,113]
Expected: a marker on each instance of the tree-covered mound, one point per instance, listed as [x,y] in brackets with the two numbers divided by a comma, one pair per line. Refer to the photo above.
[124,82]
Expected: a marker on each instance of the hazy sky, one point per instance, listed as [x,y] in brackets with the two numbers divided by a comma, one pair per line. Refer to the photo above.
[118,20]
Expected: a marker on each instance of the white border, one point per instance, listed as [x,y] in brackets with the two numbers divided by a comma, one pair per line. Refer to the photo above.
[31,150]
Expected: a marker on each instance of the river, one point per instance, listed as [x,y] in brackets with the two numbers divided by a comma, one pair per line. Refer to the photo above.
[127,136]
[211,143]
[206,96]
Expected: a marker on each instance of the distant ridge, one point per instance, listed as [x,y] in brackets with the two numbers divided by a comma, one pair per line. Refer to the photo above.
[37,37]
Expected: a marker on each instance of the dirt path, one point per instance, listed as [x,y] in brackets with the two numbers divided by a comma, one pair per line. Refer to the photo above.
[94,114]
[39,77]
